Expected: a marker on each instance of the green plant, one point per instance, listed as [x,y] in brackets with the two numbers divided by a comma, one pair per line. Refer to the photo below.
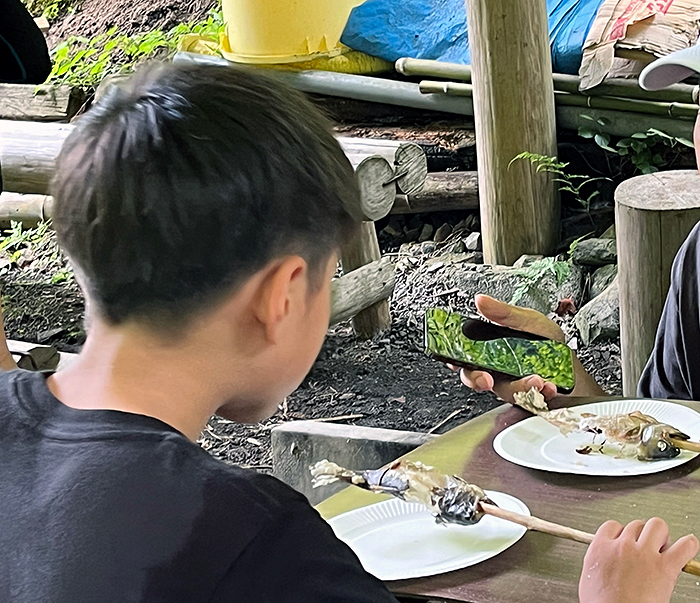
[84,62]
[18,239]
[51,9]
[62,276]
[644,149]
[571,183]
[535,272]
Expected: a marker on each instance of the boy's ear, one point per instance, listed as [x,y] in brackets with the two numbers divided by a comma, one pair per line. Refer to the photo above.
[284,285]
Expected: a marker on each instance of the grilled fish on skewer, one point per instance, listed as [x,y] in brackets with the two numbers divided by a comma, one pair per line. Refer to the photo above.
[450,498]
[634,434]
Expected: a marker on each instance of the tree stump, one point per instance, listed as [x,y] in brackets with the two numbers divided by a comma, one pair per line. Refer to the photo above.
[654,215]
[362,250]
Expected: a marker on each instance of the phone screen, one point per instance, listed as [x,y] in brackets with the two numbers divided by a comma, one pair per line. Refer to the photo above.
[498,350]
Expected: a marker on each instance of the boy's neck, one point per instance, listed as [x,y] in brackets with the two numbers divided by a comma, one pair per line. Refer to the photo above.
[125,370]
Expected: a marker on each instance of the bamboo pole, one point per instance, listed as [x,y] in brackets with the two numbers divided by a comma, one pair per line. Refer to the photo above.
[514,112]
[630,105]
[680,93]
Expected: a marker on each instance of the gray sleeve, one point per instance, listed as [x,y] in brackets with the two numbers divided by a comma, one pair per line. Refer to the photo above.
[673,369]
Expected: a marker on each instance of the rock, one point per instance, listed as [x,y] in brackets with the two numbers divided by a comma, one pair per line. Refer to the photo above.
[602,279]
[600,318]
[415,222]
[442,233]
[526,260]
[460,226]
[610,233]
[425,233]
[392,231]
[595,252]
[427,247]
[473,242]
[457,247]
[472,222]
[461,272]
[412,235]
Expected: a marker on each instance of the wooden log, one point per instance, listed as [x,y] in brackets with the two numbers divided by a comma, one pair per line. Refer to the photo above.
[377,189]
[514,112]
[363,250]
[40,103]
[28,153]
[654,215]
[28,209]
[442,191]
[362,288]
[407,158]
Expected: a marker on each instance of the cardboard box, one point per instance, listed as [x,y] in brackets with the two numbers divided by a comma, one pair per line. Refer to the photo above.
[628,34]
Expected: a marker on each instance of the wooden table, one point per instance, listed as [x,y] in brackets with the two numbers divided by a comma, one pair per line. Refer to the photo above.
[540,567]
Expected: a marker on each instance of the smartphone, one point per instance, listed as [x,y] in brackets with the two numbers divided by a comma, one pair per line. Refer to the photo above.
[475,344]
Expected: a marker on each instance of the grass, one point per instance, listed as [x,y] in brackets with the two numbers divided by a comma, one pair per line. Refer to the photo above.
[84,62]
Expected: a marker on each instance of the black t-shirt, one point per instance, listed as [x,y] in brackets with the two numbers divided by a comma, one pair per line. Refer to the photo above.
[102,506]
[673,369]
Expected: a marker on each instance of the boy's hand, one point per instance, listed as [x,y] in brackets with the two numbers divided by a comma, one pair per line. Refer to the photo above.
[532,321]
[635,563]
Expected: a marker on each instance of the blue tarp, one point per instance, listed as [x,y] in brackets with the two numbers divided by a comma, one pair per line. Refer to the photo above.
[437,29]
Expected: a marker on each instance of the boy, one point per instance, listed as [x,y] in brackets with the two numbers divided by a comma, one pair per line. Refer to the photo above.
[202,209]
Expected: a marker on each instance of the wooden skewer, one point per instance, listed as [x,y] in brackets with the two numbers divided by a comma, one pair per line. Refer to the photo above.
[686,444]
[547,527]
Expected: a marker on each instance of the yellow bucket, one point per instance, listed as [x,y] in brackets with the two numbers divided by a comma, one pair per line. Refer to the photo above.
[284,31]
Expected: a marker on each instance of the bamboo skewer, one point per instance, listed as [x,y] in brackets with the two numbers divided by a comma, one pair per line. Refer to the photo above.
[686,444]
[547,527]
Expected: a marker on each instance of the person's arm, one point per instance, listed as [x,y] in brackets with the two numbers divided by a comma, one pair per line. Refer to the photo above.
[635,563]
[524,319]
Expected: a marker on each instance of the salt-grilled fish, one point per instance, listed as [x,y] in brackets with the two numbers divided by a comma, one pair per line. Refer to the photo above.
[450,498]
[633,434]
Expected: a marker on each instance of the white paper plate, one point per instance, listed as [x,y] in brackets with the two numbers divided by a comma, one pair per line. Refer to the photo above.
[396,540]
[537,444]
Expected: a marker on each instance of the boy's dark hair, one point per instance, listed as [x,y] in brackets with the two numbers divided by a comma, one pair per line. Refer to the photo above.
[184,181]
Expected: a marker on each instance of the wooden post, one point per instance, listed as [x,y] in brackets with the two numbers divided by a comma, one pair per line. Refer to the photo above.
[364,249]
[514,112]
[654,215]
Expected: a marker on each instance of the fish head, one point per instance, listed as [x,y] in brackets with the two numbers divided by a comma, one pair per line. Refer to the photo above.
[656,443]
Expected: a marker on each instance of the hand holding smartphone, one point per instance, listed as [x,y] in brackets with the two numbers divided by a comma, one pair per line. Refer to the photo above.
[505,353]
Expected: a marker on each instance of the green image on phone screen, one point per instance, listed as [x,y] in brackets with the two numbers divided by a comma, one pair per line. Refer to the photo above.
[512,356]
